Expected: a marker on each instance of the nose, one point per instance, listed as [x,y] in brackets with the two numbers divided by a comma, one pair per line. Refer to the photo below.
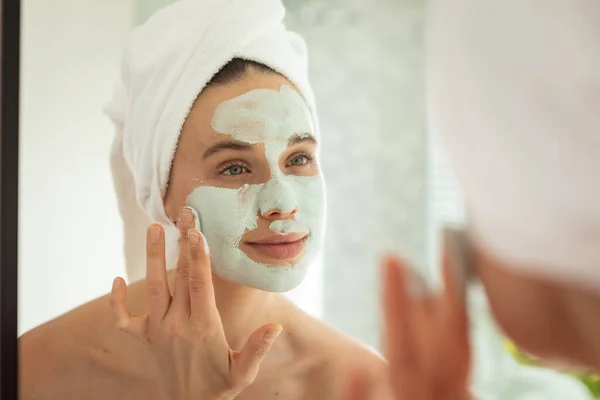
[277,200]
[275,214]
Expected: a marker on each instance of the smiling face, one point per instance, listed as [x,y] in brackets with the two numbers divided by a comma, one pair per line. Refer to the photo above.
[246,162]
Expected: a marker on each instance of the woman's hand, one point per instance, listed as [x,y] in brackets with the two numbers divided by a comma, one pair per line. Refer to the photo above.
[183,330]
[426,336]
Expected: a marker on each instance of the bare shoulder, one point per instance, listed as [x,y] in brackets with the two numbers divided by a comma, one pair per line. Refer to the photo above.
[43,355]
[338,358]
[78,355]
[349,358]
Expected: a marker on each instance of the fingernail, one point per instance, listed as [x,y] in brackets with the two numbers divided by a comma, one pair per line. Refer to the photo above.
[186,215]
[205,242]
[195,235]
[196,219]
[116,284]
[455,243]
[194,238]
[154,235]
[271,334]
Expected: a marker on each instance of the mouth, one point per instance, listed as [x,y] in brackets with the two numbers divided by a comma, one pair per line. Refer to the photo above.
[280,247]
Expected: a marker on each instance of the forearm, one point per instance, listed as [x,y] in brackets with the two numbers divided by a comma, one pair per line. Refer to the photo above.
[554,320]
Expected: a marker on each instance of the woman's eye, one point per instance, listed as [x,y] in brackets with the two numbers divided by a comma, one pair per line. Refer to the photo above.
[234,170]
[299,161]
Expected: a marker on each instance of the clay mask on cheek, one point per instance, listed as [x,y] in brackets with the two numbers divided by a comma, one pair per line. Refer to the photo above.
[270,117]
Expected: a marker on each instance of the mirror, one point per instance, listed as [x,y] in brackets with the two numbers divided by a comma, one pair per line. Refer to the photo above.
[73,193]
[388,186]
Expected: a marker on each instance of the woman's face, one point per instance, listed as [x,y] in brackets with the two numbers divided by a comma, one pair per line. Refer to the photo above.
[246,163]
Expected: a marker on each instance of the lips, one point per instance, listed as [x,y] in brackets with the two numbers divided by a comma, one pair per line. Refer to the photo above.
[280,247]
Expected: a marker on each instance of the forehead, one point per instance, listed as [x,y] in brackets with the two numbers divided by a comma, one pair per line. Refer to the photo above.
[273,98]
[262,114]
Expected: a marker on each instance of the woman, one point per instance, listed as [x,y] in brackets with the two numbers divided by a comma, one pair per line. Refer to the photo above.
[213,138]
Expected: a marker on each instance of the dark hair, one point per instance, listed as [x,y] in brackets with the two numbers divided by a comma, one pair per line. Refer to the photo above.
[236,69]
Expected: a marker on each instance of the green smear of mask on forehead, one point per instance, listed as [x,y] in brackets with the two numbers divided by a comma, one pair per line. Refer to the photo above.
[261,115]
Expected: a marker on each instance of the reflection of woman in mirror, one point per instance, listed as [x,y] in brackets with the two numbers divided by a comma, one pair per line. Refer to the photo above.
[217,134]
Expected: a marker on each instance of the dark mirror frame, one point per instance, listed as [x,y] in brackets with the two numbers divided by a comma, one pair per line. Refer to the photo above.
[10,23]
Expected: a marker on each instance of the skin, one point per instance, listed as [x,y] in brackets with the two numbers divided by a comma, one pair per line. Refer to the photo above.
[88,353]
[557,322]
[426,336]
[182,332]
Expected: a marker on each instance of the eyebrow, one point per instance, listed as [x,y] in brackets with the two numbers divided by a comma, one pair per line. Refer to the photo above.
[302,138]
[226,145]
[236,145]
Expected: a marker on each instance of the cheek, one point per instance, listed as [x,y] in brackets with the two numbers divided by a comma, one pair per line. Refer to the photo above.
[313,170]
[182,182]
[304,171]
[175,199]
[225,212]
[246,197]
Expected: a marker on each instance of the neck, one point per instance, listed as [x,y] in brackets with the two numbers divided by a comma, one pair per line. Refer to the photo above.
[243,309]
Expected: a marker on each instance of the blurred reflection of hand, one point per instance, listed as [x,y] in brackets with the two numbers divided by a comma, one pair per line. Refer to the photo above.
[426,335]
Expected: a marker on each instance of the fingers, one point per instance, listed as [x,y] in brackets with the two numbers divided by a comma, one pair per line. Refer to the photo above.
[181,295]
[133,325]
[202,295]
[248,360]
[454,267]
[398,334]
[403,351]
[117,302]
[159,296]
[453,313]
[426,334]
[356,387]
[453,263]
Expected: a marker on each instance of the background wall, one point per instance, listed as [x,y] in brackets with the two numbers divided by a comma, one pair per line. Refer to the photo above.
[69,232]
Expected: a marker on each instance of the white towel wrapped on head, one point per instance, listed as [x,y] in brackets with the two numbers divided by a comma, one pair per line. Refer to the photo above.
[166,64]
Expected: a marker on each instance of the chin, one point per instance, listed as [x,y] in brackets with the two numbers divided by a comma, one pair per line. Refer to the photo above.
[282,287]
[269,278]
[278,278]
[278,285]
